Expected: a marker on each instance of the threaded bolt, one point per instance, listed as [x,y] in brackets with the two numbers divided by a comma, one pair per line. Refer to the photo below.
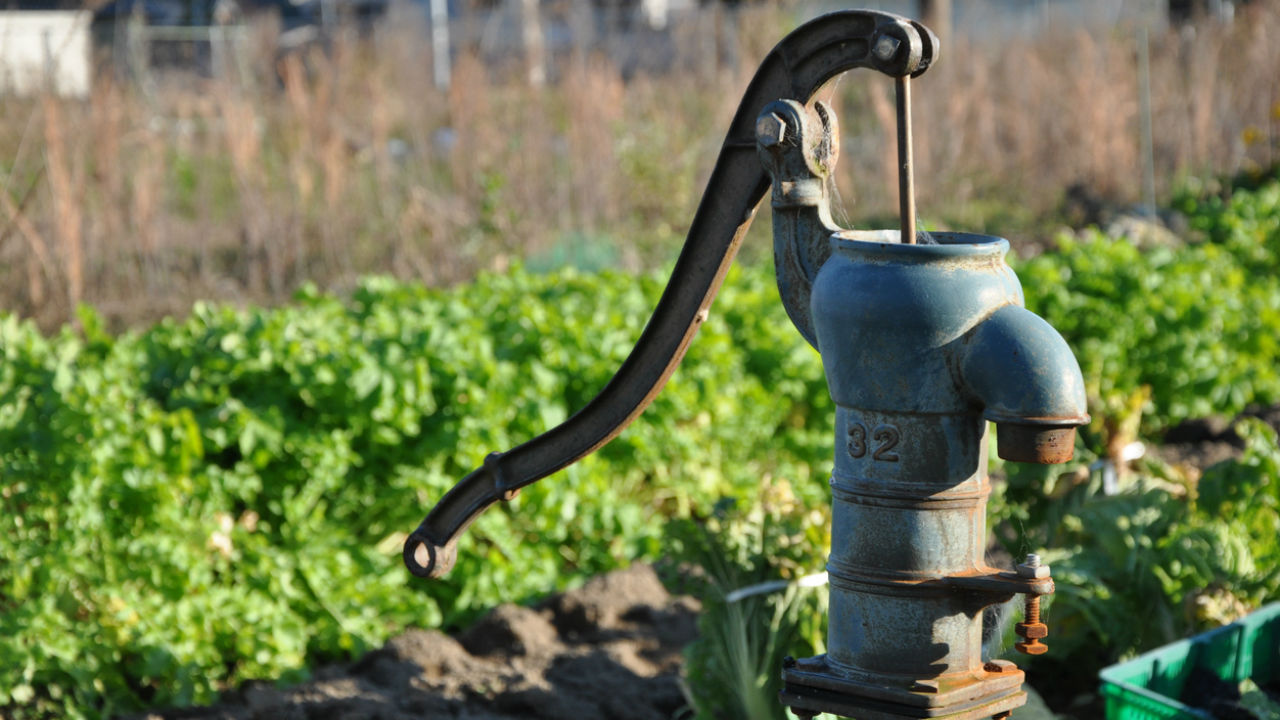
[1031,629]
[1032,610]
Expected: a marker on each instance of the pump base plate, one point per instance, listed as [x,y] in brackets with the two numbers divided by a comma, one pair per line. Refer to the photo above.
[811,685]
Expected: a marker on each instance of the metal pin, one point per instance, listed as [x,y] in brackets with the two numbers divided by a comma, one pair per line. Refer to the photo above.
[906,182]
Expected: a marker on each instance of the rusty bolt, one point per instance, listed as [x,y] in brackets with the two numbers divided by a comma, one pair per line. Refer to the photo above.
[1031,647]
[771,130]
[1031,630]
[886,47]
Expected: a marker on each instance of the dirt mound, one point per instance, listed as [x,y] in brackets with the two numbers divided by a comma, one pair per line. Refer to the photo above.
[1200,443]
[610,649]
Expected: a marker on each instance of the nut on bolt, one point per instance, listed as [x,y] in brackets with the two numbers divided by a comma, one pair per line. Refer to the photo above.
[1031,630]
[1032,569]
[886,47]
[771,130]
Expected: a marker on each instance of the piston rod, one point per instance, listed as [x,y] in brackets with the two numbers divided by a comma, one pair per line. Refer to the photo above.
[906,173]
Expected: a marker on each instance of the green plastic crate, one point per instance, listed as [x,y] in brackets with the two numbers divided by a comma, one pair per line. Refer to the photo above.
[1148,687]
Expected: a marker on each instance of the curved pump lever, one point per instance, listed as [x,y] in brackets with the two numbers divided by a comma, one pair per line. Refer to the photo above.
[794,70]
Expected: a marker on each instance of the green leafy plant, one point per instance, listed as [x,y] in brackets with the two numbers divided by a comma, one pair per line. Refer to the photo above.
[224,497]
[757,605]
[1163,559]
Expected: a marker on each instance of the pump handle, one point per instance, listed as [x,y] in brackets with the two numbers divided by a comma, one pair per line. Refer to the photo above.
[795,69]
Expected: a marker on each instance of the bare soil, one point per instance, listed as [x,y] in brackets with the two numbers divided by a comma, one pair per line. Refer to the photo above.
[610,649]
[1204,442]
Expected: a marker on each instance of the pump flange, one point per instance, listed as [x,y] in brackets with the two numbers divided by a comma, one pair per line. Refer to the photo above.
[813,686]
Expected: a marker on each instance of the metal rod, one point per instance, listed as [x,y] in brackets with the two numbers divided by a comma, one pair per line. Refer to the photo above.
[906,182]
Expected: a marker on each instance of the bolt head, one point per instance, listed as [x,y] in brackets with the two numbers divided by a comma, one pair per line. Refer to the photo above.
[1033,572]
[1034,647]
[886,47]
[771,130]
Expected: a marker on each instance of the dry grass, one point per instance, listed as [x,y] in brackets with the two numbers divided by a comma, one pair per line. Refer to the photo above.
[352,162]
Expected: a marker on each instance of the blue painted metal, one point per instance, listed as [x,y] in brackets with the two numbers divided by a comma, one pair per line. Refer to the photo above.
[922,345]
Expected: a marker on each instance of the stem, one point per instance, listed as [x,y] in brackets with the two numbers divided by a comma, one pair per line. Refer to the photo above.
[906,183]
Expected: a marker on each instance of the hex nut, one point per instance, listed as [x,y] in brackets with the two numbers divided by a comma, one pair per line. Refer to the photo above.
[1038,572]
[886,47]
[771,130]
[1035,647]
[1032,631]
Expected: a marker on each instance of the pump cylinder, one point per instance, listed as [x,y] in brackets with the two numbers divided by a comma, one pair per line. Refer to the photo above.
[909,495]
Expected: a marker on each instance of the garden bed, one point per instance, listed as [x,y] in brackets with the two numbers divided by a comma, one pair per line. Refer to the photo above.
[611,648]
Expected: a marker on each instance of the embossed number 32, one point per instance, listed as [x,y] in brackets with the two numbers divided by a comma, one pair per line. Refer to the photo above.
[886,435]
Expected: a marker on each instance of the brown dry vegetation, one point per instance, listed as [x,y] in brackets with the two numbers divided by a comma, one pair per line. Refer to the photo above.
[352,162]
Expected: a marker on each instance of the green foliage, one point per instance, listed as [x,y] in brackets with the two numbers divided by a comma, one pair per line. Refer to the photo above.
[1197,327]
[224,498]
[763,548]
[1165,558]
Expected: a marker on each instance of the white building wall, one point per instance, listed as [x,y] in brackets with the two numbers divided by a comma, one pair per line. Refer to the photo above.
[43,51]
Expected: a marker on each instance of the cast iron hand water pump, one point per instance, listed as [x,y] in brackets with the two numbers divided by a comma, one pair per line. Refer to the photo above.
[923,340]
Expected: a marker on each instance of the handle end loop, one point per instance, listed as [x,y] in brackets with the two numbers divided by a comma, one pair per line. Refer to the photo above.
[426,559]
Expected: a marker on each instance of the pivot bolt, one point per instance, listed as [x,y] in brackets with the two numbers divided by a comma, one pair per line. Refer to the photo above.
[771,130]
[886,47]
[1031,630]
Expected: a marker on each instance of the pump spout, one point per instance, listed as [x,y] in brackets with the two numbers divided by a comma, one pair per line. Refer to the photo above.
[1027,380]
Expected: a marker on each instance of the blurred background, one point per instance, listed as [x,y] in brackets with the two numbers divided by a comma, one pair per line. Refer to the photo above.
[157,151]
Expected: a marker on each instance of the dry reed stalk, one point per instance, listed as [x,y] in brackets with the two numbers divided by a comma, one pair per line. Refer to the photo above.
[107,123]
[469,115]
[191,187]
[39,265]
[593,95]
[299,95]
[146,211]
[240,135]
[65,169]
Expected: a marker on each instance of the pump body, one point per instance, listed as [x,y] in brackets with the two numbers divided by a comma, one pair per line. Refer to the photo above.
[922,345]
